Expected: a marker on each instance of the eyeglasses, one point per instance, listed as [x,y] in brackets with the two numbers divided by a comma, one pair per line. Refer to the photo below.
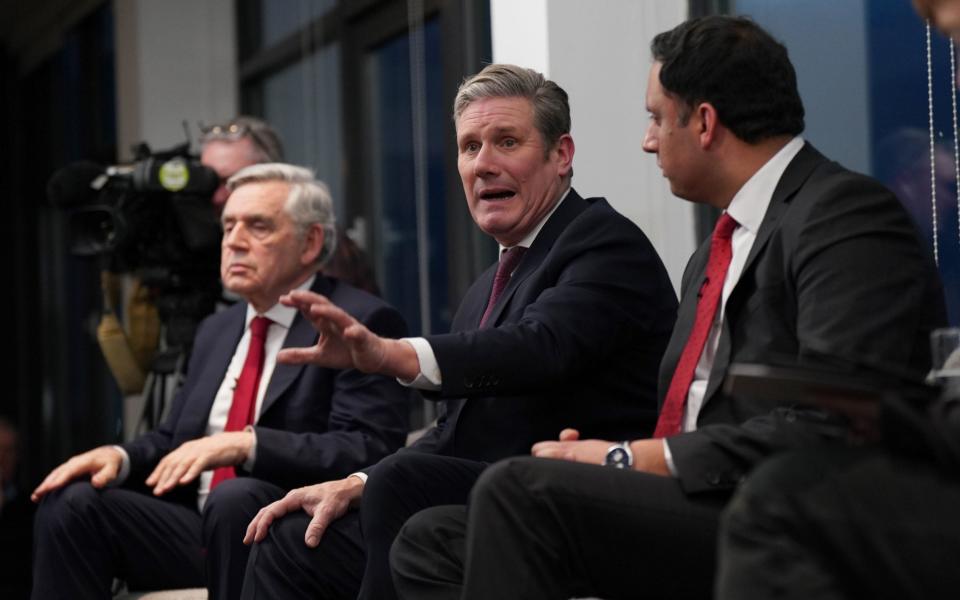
[229,131]
[233,131]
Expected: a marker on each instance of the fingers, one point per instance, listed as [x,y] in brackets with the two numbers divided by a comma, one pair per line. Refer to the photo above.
[331,315]
[106,474]
[298,356]
[258,527]
[302,298]
[545,449]
[56,479]
[569,435]
[103,459]
[553,450]
[172,471]
[322,517]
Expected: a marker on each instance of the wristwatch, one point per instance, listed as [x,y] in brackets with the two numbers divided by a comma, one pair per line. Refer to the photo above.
[619,456]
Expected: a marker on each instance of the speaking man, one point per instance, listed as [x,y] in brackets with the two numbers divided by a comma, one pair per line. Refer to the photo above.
[568,327]
[808,264]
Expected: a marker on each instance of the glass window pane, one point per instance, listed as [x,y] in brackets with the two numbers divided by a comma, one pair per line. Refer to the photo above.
[392,173]
[302,102]
[280,18]
[862,73]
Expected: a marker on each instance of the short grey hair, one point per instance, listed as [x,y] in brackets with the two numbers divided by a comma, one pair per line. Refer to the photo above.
[308,203]
[551,107]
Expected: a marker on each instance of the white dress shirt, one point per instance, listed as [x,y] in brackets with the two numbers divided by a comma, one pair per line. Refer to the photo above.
[281,318]
[747,208]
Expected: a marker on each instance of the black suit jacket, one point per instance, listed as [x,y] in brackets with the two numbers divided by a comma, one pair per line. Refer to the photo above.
[836,277]
[315,424]
[574,341]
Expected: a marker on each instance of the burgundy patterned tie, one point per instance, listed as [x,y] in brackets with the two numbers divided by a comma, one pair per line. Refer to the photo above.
[509,260]
[671,414]
[245,394]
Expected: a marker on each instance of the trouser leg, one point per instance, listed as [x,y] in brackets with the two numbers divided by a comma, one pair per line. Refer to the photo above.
[84,537]
[226,514]
[428,557]
[842,523]
[400,486]
[555,529]
[283,566]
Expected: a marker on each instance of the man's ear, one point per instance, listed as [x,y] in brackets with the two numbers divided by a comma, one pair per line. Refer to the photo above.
[564,149]
[313,244]
[708,122]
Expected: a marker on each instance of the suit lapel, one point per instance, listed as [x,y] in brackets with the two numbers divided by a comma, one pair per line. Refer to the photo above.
[568,210]
[197,409]
[301,335]
[793,178]
[797,172]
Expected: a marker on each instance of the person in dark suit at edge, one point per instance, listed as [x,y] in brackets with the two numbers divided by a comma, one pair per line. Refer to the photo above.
[874,521]
[169,508]
[568,327]
[808,264]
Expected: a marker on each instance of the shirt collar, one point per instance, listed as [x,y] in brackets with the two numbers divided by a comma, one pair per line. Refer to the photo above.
[750,203]
[278,313]
[528,239]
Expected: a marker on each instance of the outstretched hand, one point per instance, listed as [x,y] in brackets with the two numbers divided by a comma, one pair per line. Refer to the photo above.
[346,343]
[324,503]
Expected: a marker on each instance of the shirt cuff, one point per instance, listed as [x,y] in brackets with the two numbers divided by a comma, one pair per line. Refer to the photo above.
[252,457]
[668,458]
[429,376]
[124,467]
[359,475]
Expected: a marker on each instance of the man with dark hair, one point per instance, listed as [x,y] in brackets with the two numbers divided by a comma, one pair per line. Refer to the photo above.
[809,264]
[568,327]
[168,509]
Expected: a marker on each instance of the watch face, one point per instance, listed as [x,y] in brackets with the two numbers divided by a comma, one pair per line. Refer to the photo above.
[618,457]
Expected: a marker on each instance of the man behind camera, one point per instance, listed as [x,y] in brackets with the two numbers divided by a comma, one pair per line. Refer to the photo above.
[171,505]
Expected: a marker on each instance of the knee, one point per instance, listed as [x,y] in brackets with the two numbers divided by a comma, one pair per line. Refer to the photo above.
[392,474]
[428,533]
[232,504]
[501,479]
[61,508]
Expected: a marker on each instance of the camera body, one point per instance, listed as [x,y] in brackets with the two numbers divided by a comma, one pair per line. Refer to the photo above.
[154,219]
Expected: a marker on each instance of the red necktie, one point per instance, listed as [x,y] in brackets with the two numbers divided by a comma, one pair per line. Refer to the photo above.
[245,394]
[671,414]
[508,264]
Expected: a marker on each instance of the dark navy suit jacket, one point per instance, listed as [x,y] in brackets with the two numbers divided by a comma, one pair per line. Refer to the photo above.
[575,340]
[315,423]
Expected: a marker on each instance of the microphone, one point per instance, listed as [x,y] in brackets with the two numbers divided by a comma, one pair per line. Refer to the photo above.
[73,185]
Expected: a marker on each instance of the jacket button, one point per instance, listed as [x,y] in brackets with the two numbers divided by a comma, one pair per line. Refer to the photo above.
[713,478]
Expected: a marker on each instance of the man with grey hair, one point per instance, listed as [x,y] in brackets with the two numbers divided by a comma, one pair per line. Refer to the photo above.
[172,505]
[568,327]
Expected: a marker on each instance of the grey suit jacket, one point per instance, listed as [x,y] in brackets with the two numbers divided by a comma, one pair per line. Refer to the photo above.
[836,277]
